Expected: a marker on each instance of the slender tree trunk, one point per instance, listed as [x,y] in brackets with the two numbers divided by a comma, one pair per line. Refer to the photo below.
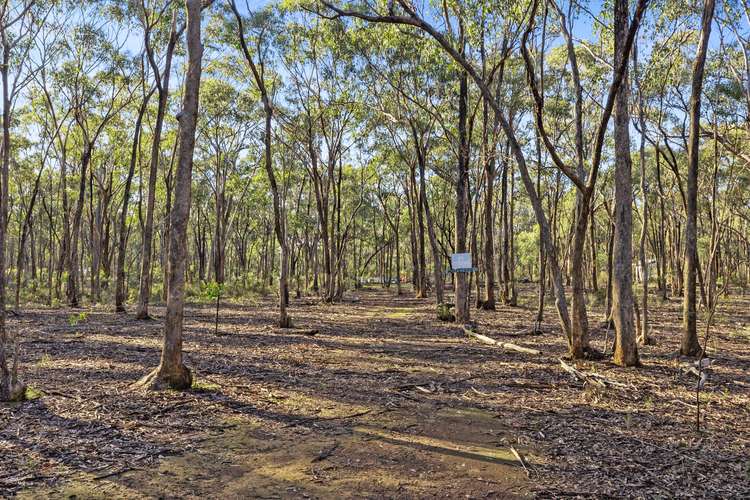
[462,200]
[24,234]
[437,265]
[422,194]
[10,388]
[171,371]
[592,243]
[74,264]
[626,347]
[489,243]
[278,215]
[144,292]
[645,207]
[120,296]
[690,345]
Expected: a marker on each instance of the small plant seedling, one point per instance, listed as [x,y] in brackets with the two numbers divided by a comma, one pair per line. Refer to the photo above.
[75,319]
[213,291]
[32,393]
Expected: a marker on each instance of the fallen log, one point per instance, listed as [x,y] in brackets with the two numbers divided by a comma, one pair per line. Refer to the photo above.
[505,345]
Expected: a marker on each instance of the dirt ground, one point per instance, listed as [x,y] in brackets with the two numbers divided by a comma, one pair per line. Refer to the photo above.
[384,402]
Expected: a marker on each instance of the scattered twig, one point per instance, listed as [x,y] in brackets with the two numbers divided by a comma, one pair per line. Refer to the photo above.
[342,417]
[326,452]
[520,460]
[591,378]
[117,472]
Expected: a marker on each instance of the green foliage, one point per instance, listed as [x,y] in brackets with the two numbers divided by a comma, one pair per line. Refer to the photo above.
[212,290]
[32,393]
[75,319]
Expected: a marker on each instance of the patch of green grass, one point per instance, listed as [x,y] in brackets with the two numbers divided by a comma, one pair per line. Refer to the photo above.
[199,386]
[32,393]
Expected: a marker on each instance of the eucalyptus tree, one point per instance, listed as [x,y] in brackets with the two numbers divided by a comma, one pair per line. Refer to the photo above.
[20,21]
[159,24]
[95,89]
[262,28]
[586,183]
[690,345]
[323,93]
[626,348]
[122,229]
[172,372]
[34,46]
[225,130]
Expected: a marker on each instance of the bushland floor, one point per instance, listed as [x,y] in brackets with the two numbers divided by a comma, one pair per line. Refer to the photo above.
[383,402]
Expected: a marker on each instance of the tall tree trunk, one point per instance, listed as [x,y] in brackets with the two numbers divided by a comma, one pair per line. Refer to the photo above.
[626,347]
[26,226]
[74,264]
[122,232]
[645,207]
[10,388]
[690,345]
[278,215]
[421,195]
[171,371]
[489,243]
[144,291]
[462,199]
[662,230]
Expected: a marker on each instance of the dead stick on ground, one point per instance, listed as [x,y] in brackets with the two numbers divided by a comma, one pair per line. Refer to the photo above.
[114,473]
[505,345]
[342,417]
[520,460]
[326,453]
[591,378]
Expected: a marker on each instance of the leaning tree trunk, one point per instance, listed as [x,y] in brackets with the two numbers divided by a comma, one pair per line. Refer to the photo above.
[690,345]
[122,229]
[144,293]
[171,371]
[24,235]
[73,263]
[278,216]
[626,347]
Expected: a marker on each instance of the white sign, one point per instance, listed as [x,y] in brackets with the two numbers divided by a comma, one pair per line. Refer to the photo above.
[460,261]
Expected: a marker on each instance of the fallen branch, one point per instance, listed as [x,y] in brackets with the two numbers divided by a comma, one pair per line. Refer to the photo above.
[505,345]
[310,332]
[342,417]
[117,472]
[590,378]
[520,460]
[326,453]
